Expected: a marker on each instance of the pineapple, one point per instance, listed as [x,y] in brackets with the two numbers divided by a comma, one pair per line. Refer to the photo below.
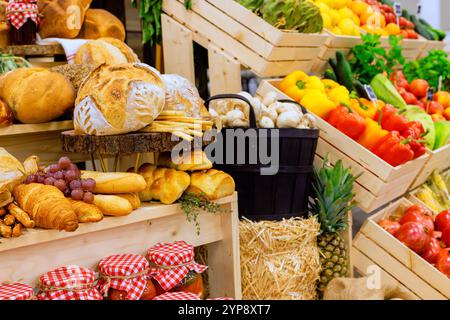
[333,198]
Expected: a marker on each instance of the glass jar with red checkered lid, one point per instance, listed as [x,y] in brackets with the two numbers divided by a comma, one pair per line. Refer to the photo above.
[68,283]
[174,269]
[16,291]
[125,277]
[23,18]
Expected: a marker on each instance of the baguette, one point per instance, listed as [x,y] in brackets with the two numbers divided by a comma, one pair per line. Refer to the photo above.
[115,182]
[112,205]
[133,198]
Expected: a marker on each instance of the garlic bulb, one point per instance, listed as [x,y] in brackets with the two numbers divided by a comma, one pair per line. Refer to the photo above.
[266,122]
[289,119]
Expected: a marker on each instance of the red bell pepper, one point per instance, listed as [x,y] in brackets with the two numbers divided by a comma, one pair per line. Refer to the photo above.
[393,149]
[415,131]
[347,121]
[390,119]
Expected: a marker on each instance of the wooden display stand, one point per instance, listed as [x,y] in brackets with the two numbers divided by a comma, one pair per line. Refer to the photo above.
[25,258]
[45,56]
[374,244]
[235,38]
[379,183]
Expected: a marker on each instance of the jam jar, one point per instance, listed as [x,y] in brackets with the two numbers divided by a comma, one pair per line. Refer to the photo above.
[23,18]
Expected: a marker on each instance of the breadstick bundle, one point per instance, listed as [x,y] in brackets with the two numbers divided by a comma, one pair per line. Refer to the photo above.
[13,220]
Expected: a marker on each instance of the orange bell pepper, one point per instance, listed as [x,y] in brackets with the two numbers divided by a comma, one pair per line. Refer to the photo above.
[447,113]
[372,135]
[364,107]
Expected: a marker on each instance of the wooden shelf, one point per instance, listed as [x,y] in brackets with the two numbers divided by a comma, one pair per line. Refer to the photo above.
[17,129]
[35,50]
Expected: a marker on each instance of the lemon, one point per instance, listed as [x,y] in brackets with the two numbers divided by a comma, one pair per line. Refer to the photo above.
[324,8]
[346,13]
[335,17]
[347,26]
[337,31]
[327,23]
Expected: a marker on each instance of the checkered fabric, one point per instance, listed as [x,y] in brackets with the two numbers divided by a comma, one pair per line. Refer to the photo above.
[177,296]
[171,262]
[68,283]
[126,272]
[16,291]
[18,12]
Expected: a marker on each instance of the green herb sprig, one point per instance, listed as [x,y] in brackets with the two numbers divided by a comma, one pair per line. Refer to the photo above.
[9,62]
[193,204]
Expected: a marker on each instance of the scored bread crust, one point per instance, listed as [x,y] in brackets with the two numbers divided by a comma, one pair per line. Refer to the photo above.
[99,23]
[105,51]
[119,99]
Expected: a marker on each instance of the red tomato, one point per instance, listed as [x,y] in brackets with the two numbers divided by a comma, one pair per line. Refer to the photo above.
[411,25]
[412,34]
[422,105]
[434,107]
[413,235]
[442,220]
[403,22]
[404,33]
[410,98]
[418,213]
[390,226]
[443,262]
[387,8]
[446,236]
[431,250]
[390,18]
[401,83]
[419,88]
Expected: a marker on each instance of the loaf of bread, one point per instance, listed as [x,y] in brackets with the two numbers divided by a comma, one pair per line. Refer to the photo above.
[133,199]
[165,185]
[76,73]
[113,205]
[182,95]
[37,95]
[105,51]
[86,212]
[212,184]
[115,182]
[119,99]
[61,18]
[99,23]
[189,161]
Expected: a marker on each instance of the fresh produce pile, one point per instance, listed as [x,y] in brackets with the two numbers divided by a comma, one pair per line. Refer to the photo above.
[296,15]
[435,192]
[338,18]
[426,235]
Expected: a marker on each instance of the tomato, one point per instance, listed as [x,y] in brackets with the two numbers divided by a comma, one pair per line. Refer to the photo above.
[387,8]
[411,25]
[390,18]
[401,83]
[403,22]
[443,262]
[413,235]
[420,214]
[431,251]
[390,226]
[443,97]
[422,105]
[442,220]
[410,98]
[434,107]
[446,236]
[419,88]
[412,34]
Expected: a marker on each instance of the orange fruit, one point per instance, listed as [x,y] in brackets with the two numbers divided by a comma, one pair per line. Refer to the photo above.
[393,29]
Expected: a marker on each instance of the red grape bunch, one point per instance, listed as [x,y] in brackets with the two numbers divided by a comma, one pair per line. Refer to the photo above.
[65,176]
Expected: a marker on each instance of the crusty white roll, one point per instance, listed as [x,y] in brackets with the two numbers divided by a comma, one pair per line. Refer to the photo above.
[212,184]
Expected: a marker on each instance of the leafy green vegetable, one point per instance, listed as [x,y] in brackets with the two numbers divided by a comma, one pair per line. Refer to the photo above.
[430,68]
[414,113]
[8,62]
[442,134]
[370,59]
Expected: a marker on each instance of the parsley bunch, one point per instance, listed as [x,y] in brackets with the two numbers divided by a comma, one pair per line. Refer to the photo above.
[369,58]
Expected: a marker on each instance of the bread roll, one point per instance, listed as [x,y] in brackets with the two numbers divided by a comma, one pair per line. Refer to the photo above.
[61,18]
[115,182]
[212,184]
[76,73]
[193,161]
[133,198]
[119,99]
[112,205]
[182,95]
[37,95]
[105,51]
[86,212]
[99,23]
[165,185]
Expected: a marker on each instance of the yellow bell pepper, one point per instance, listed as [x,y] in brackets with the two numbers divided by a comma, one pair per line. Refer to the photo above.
[339,95]
[372,135]
[318,103]
[330,84]
[297,84]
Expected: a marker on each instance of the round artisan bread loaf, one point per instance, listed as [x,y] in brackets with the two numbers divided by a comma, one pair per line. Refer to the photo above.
[37,95]
[99,23]
[105,51]
[118,99]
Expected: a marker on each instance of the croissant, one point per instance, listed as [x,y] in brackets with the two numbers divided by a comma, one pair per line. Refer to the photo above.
[86,212]
[212,184]
[47,206]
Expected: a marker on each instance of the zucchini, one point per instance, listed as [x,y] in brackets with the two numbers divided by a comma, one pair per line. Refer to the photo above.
[329,74]
[385,90]
[422,29]
[344,71]
[360,90]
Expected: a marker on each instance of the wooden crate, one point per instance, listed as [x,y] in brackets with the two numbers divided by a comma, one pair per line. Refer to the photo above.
[45,56]
[399,261]
[438,160]
[212,27]
[411,48]
[25,258]
[432,45]
[380,182]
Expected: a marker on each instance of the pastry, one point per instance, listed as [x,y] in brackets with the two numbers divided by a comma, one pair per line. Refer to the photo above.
[115,182]
[105,51]
[119,99]
[99,23]
[112,205]
[133,199]
[61,18]
[165,185]
[212,184]
[86,212]
[21,216]
[37,95]
[189,161]
[47,206]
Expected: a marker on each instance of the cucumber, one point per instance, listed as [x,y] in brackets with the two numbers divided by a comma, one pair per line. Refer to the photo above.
[333,64]
[329,74]
[423,30]
[406,15]
[344,71]
[360,90]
